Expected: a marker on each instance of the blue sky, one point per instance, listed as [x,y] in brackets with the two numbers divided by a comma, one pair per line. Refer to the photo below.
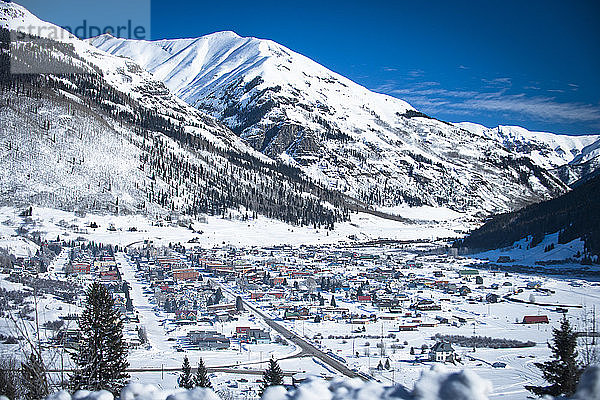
[528,63]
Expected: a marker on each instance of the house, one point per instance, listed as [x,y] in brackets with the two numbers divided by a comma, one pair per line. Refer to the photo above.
[491,298]
[183,316]
[241,331]
[441,352]
[258,336]
[468,272]
[81,268]
[257,295]
[185,274]
[535,319]
[403,328]
[291,315]
[426,305]
[208,340]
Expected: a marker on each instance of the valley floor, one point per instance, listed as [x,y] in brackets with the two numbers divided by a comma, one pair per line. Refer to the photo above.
[384,340]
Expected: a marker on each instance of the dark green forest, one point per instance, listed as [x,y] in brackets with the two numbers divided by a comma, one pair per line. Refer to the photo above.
[575,214]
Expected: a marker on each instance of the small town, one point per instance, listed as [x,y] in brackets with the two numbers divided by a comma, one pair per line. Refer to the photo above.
[371,312]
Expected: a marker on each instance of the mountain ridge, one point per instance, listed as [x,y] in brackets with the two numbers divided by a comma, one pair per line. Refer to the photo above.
[372,147]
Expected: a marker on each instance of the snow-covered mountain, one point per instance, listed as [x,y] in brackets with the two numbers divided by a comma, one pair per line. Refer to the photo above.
[374,148]
[112,137]
[545,149]
[572,158]
[225,122]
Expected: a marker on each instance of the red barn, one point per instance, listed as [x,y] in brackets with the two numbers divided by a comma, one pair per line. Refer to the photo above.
[535,319]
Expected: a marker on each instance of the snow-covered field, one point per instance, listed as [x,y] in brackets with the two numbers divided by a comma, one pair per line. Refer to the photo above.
[214,231]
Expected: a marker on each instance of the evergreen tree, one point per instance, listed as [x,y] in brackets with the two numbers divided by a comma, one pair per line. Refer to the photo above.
[102,356]
[201,377]
[33,378]
[387,364]
[333,304]
[186,379]
[563,371]
[273,375]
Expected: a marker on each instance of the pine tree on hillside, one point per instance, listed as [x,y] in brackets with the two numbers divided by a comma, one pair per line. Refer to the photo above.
[102,356]
[563,371]
[186,380]
[33,378]
[273,376]
[201,377]
[333,304]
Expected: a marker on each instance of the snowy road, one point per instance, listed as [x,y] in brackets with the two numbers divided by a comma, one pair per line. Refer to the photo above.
[157,335]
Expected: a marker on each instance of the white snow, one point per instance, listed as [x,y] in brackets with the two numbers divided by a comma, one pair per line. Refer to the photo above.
[435,384]
[547,150]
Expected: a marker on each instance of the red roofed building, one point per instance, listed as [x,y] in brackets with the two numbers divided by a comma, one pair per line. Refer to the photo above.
[81,268]
[241,330]
[185,274]
[535,319]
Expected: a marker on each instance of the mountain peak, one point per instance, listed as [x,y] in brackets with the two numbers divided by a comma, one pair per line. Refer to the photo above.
[222,34]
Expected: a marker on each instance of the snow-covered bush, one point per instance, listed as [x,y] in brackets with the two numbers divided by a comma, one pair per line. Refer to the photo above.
[434,384]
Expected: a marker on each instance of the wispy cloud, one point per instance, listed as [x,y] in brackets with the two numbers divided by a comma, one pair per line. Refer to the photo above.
[471,102]
[497,82]
[390,69]
[415,73]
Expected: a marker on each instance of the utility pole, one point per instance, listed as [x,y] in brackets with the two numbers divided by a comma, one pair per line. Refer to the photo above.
[594,325]
[381,352]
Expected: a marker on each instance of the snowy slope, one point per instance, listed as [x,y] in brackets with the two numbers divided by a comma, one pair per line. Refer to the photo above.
[116,139]
[374,148]
[545,149]
[123,74]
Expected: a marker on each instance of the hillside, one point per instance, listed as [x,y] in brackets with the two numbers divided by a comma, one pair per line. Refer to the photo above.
[574,215]
[107,136]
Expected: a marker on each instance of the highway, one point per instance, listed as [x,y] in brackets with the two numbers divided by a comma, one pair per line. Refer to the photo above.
[307,348]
